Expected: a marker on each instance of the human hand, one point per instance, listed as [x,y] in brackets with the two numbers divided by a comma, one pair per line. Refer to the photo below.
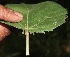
[7,14]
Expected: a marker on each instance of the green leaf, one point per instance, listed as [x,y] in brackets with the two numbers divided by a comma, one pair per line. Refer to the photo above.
[40,17]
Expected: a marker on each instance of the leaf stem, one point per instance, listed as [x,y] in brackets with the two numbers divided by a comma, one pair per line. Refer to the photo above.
[27,37]
[27,42]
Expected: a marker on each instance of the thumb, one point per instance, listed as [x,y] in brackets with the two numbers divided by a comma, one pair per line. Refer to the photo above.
[7,14]
[4,31]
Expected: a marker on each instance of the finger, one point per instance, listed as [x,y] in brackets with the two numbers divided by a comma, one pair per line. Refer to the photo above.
[7,14]
[4,31]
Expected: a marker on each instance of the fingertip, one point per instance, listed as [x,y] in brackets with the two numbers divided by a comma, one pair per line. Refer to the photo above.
[18,16]
[10,15]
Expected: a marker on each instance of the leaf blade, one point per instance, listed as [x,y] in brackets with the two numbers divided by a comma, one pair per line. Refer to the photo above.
[44,16]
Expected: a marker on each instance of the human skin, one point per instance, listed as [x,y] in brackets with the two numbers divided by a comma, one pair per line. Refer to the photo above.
[9,15]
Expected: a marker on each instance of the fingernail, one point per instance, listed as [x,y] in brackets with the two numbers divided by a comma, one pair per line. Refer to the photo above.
[20,16]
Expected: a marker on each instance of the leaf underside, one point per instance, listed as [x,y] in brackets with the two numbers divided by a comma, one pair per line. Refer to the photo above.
[41,17]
